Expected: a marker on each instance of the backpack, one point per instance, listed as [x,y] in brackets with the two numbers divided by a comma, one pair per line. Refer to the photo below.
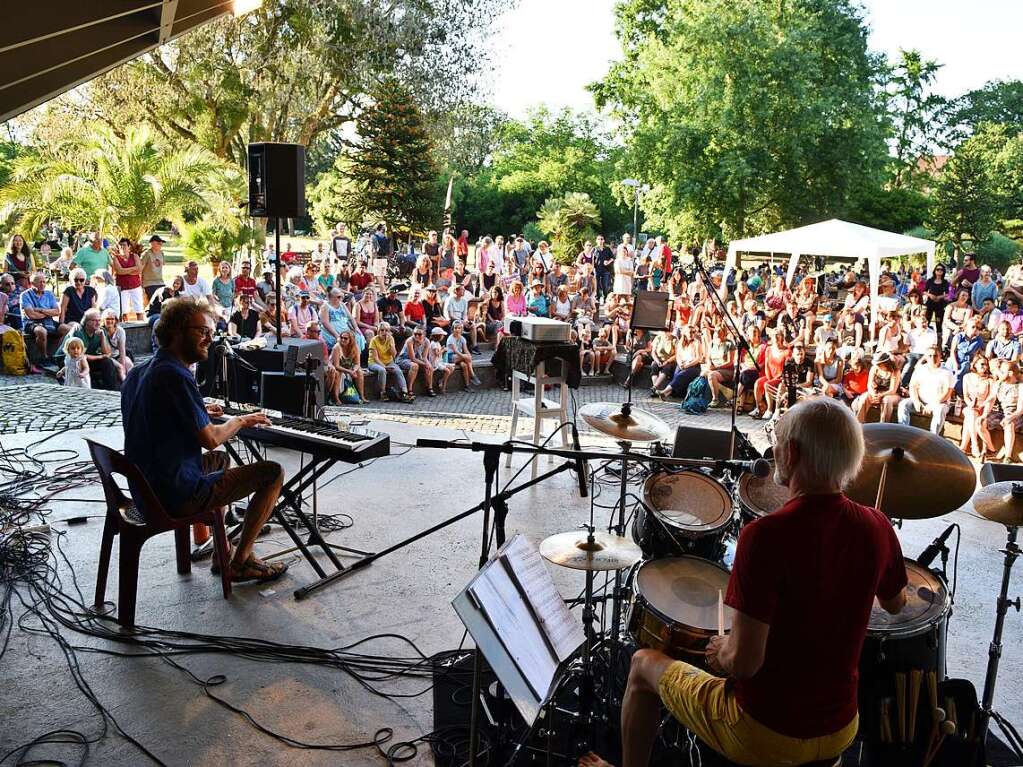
[697,397]
[15,355]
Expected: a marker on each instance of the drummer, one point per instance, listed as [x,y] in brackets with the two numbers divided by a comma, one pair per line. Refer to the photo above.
[802,588]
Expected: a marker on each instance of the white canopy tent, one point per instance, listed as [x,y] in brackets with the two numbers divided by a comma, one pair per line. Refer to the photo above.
[838,239]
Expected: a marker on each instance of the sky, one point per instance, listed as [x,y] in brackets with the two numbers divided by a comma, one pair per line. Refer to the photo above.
[546,51]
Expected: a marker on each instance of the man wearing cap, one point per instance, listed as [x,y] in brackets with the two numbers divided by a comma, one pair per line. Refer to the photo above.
[92,257]
[152,266]
[521,254]
[301,314]
[266,285]
[392,312]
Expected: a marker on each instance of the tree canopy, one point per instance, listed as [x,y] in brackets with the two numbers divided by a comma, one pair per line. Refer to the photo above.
[744,114]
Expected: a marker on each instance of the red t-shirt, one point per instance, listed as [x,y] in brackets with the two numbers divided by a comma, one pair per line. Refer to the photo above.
[128,281]
[855,383]
[359,281]
[774,361]
[666,257]
[810,570]
[245,286]
[414,311]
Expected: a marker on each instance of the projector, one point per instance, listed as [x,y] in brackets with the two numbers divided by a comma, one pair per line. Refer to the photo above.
[538,329]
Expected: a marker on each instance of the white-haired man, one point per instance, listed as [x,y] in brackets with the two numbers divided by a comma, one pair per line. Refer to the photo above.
[801,588]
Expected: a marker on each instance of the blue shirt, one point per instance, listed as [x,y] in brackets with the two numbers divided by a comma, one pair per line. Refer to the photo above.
[31,300]
[163,414]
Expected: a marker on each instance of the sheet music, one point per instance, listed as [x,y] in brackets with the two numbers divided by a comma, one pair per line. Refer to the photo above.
[509,615]
[563,629]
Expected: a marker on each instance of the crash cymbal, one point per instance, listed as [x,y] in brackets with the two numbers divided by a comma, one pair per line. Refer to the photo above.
[607,552]
[927,475]
[1000,504]
[637,426]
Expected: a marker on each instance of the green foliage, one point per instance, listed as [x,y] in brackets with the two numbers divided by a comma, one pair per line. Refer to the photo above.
[997,250]
[330,200]
[891,209]
[122,186]
[746,114]
[388,173]
[214,241]
[999,102]
[548,155]
[965,204]
[913,111]
[569,221]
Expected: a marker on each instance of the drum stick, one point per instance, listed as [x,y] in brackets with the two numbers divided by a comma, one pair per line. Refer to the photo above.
[900,702]
[721,614]
[915,678]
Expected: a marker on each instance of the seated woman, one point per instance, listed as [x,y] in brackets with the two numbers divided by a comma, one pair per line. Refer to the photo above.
[964,346]
[268,318]
[457,353]
[956,314]
[415,357]
[366,313]
[383,360]
[515,304]
[978,391]
[331,375]
[335,319]
[662,360]
[245,320]
[642,353]
[587,357]
[437,363]
[749,367]
[830,369]
[855,378]
[882,389]
[584,308]
[422,275]
[108,297]
[78,298]
[493,316]
[118,343]
[805,298]
[689,358]
[345,359]
[561,307]
[719,366]
[603,351]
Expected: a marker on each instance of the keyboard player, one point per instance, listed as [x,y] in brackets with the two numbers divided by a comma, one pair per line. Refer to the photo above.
[167,426]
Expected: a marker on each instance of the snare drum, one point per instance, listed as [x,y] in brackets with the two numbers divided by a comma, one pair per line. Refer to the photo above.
[675,606]
[760,496]
[684,513]
[912,639]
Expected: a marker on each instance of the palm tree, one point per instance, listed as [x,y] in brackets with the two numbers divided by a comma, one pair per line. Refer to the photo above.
[124,186]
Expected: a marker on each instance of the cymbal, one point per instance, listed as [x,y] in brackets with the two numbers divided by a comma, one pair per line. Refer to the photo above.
[607,552]
[638,426]
[998,503]
[927,475]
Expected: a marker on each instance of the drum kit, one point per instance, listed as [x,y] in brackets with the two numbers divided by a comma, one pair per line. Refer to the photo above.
[669,577]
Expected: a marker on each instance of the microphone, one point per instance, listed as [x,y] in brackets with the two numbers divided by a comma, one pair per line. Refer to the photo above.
[758,468]
[936,546]
[580,464]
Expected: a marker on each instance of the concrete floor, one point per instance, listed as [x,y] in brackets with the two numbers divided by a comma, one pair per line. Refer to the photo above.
[407,593]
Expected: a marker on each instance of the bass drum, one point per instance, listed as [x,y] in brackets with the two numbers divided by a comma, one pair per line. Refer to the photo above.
[675,606]
[687,512]
[914,639]
[760,496]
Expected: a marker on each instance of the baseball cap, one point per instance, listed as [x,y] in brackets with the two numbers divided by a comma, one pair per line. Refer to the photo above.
[303,294]
[437,332]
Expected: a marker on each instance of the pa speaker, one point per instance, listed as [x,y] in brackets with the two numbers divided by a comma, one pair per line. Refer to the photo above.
[700,444]
[276,180]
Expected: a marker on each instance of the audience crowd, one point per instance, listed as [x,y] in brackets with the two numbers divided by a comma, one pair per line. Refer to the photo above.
[930,344]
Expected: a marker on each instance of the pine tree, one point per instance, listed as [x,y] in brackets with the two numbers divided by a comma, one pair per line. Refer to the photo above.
[391,164]
[965,203]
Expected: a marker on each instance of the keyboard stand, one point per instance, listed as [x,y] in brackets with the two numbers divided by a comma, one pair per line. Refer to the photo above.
[291,493]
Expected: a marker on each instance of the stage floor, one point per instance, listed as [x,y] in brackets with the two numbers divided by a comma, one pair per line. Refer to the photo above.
[407,593]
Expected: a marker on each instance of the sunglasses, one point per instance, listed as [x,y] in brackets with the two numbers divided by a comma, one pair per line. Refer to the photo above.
[79,279]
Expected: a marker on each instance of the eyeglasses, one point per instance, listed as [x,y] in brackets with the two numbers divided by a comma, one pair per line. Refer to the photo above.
[207,332]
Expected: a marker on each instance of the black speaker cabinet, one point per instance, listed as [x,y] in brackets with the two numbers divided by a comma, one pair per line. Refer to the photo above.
[270,359]
[697,443]
[279,391]
[276,180]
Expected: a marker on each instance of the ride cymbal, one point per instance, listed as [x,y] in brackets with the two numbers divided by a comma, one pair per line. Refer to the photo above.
[1001,502]
[607,552]
[927,475]
[637,426]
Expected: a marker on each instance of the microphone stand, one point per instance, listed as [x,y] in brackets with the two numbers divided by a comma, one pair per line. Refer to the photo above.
[741,347]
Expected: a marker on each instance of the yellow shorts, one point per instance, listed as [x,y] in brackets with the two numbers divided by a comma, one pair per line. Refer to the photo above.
[703,704]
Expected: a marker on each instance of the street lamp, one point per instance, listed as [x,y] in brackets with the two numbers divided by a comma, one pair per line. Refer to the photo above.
[638,189]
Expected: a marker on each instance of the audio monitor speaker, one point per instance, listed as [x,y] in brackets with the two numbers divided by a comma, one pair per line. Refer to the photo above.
[276,180]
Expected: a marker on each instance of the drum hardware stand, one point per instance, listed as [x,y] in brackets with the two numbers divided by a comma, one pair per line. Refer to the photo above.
[1011,551]
[741,347]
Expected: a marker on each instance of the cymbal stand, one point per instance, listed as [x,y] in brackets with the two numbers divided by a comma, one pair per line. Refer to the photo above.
[1011,551]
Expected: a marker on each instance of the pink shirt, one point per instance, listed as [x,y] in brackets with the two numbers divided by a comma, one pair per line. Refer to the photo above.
[516,305]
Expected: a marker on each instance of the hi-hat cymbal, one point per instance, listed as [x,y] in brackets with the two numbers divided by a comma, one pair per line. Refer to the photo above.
[637,426]
[998,503]
[607,552]
[927,475]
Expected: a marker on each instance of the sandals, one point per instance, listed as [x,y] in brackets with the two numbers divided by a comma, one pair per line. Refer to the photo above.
[255,570]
